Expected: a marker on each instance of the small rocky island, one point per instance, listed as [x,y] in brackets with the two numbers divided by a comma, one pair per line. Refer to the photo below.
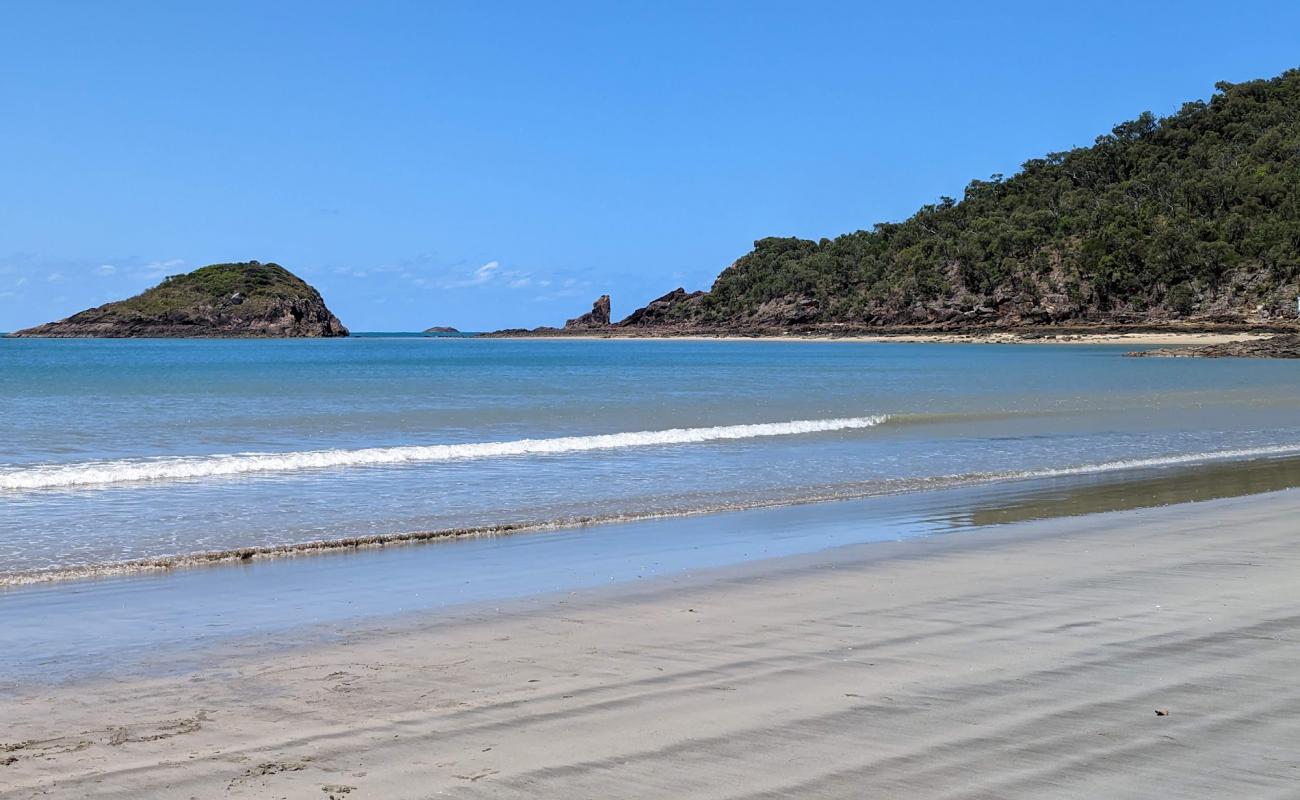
[441,329]
[243,300]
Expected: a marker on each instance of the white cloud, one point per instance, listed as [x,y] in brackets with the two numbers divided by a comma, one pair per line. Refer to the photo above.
[484,273]
[54,277]
[159,269]
[488,274]
[425,272]
[106,269]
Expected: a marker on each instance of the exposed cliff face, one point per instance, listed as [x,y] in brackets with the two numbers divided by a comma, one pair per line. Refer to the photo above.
[597,318]
[1243,298]
[245,300]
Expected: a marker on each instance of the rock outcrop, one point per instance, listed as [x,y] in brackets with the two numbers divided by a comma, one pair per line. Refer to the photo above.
[597,318]
[441,329]
[1283,346]
[244,300]
[663,311]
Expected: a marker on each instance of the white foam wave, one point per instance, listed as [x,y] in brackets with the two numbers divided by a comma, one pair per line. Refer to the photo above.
[181,467]
[1162,461]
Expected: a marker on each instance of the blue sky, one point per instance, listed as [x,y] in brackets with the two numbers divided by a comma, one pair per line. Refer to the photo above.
[495,164]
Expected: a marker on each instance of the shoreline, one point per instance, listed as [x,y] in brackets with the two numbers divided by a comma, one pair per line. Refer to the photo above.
[165,564]
[173,622]
[1139,337]
[1028,659]
[1166,339]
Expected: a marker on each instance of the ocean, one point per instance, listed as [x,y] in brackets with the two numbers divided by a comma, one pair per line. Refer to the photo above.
[118,452]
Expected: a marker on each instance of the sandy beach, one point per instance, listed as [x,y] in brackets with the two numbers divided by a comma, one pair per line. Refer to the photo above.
[1129,654]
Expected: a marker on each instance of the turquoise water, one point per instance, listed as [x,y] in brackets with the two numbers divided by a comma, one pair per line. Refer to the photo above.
[113,450]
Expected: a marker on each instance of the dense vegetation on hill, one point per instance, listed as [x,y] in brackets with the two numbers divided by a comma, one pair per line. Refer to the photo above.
[256,283]
[1194,216]
[236,300]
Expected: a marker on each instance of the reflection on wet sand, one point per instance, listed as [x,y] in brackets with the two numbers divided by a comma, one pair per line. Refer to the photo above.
[1110,493]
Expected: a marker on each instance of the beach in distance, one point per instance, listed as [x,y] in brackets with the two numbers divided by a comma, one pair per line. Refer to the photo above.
[1137,339]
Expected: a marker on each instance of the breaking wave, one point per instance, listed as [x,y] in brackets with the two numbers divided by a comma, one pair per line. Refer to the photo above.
[1160,461]
[848,491]
[91,473]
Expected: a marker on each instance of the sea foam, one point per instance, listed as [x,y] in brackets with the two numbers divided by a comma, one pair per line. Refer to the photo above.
[1161,461]
[90,473]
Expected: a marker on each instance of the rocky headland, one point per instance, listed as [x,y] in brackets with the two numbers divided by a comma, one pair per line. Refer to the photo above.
[1188,222]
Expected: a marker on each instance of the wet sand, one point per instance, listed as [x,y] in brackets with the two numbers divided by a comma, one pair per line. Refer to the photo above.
[1026,660]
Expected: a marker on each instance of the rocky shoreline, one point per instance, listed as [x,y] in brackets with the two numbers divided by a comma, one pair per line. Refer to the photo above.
[650,322]
[1031,333]
[1279,346]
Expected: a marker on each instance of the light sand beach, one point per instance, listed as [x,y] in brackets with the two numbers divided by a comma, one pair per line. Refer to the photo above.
[1170,338]
[1135,654]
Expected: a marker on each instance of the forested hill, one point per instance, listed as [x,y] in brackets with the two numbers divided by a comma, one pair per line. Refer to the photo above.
[1195,216]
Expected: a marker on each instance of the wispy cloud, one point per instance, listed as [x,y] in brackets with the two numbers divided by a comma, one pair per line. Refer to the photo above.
[569,287]
[60,270]
[484,273]
[479,277]
[159,269]
[489,274]
[36,288]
